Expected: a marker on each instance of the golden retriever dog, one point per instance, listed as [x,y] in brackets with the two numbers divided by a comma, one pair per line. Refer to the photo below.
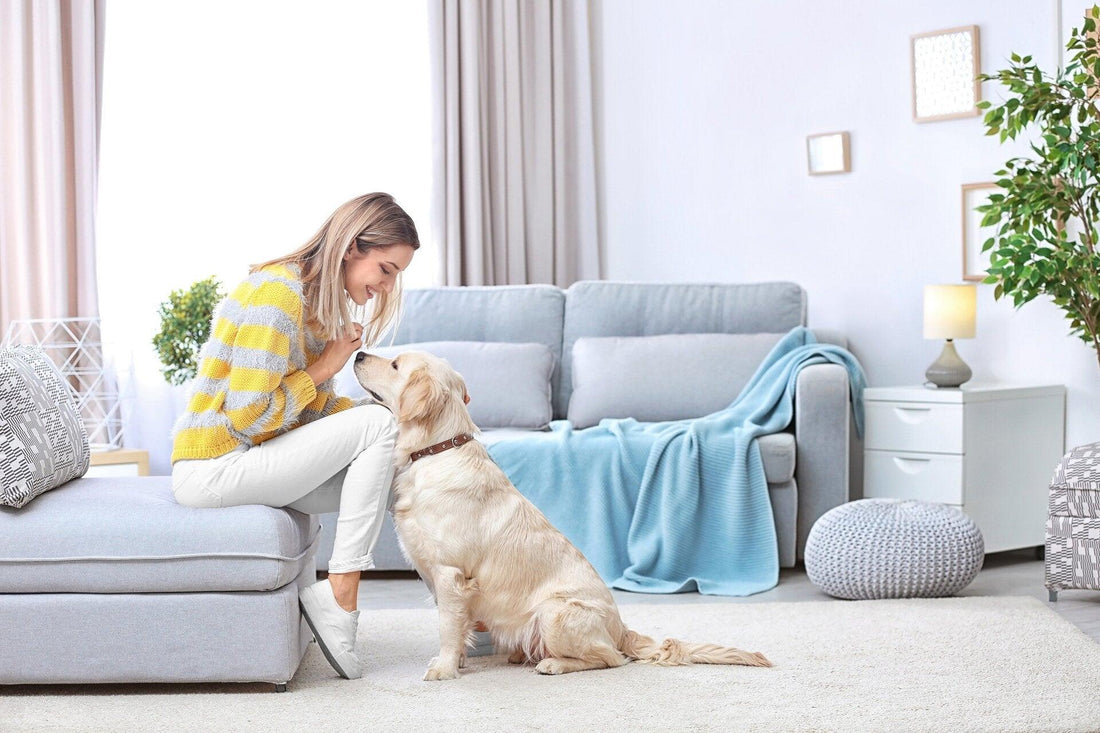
[487,553]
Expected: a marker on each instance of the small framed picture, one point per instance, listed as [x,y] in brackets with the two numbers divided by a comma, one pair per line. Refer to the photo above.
[974,235]
[945,68]
[828,153]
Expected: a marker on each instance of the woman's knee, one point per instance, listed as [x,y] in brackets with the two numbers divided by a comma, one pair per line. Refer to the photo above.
[189,491]
[377,421]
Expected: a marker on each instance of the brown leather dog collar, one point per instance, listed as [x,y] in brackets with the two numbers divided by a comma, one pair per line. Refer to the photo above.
[431,450]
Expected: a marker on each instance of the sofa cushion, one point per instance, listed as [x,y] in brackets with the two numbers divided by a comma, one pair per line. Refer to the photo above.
[128,535]
[601,308]
[510,313]
[43,443]
[509,384]
[496,435]
[656,378]
[777,451]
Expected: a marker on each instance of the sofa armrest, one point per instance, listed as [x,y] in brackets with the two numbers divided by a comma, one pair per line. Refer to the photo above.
[821,431]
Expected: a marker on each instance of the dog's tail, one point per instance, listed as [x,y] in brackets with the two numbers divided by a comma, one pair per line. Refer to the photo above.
[672,652]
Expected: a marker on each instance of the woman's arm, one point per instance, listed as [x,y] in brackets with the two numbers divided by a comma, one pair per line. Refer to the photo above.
[318,372]
[265,392]
[331,361]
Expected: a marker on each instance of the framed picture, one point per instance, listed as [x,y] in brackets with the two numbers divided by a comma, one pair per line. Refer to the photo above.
[828,153]
[945,68]
[975,262]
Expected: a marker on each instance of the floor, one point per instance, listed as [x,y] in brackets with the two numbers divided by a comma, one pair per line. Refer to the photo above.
[1016,573]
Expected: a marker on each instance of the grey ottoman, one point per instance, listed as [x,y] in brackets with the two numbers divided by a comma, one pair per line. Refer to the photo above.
[1073,522]
[891,548]
[110,580]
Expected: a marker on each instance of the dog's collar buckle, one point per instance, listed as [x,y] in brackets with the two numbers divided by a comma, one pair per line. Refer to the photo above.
[431,450]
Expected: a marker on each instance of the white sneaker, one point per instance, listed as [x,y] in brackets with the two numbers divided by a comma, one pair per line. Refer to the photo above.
[333,627]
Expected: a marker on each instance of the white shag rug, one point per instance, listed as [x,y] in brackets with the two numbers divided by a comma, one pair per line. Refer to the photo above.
[956,664]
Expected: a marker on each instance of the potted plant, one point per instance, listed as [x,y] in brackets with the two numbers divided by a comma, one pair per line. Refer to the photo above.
[1047,210]
[185,321]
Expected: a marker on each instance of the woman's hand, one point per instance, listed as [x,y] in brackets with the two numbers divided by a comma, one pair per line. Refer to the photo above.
[335,354]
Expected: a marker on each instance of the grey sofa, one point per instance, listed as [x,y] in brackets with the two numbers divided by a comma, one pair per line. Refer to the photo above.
[110,580]
[807,466]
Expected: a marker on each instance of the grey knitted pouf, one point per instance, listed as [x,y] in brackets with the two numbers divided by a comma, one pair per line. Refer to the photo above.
[890,548]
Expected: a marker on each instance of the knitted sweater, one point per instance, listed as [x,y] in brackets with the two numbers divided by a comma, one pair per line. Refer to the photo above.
[251,385]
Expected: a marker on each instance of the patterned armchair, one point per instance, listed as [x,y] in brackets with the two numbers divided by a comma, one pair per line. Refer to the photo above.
[1073,523]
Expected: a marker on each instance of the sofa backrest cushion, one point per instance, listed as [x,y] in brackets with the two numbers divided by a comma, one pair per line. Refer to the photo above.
[600,308]
[509,384]
[508,313]
[43,442]
[656,378]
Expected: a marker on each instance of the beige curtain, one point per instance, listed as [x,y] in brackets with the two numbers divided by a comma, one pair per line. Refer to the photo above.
[51,60]
[514,199]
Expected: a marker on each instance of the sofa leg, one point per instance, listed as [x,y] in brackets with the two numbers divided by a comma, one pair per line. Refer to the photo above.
[280,687]
[1053,595]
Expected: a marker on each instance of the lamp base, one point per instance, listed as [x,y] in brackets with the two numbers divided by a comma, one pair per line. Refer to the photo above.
[948,370]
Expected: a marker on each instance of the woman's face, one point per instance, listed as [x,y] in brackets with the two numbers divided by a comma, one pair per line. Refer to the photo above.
[376,271]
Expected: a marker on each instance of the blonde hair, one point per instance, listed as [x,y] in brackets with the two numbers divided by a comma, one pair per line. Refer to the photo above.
[367,222]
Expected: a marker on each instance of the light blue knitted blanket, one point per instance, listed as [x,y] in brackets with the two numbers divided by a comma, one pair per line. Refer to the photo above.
[674,506]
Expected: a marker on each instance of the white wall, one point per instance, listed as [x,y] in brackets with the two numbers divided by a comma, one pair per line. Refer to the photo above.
[231,130]
[703,112]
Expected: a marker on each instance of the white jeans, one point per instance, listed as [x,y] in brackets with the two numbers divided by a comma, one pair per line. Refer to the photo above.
[342,462]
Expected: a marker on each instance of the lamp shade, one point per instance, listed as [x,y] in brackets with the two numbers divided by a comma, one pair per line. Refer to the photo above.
[949,311]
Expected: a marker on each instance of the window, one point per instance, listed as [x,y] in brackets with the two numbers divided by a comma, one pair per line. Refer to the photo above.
[231,130]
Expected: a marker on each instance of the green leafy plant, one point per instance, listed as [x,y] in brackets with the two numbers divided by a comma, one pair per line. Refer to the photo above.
[1048,207]
[185,320]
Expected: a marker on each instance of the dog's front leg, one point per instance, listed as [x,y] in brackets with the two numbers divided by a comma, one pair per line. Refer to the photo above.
[452,596]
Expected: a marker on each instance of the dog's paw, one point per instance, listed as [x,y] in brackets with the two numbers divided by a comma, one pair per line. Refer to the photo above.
[550,666]
[517,657]
[440,671]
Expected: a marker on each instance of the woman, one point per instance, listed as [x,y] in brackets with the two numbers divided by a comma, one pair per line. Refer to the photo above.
[263,425]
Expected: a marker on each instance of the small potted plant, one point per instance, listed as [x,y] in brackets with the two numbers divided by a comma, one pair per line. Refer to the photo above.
[1047,211]
[185,322]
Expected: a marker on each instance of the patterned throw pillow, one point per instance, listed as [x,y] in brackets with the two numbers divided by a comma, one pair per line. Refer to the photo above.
[43,442]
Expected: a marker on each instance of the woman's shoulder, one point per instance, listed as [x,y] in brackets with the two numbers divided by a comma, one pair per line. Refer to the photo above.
[287,272]
[278,284]
[274,277]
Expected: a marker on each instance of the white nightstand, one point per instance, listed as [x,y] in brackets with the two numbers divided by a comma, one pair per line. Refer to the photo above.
[989,450]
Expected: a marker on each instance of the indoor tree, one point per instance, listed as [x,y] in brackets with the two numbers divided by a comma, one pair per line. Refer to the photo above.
[1047,209]
[185,320]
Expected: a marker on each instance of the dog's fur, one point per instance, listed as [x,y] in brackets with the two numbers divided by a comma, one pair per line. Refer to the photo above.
[488,554]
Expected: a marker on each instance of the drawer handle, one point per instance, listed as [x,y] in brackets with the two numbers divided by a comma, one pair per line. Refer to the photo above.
[912,465]
[912,415]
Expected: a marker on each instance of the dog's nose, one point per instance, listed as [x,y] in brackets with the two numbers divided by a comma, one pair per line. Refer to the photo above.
[360,356]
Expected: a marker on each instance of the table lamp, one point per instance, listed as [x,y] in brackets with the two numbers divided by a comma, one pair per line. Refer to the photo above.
[949,313]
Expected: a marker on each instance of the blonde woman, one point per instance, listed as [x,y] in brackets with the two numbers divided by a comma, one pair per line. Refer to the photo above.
[263,425]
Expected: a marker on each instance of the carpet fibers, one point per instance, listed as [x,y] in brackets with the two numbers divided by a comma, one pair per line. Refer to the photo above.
[957,664]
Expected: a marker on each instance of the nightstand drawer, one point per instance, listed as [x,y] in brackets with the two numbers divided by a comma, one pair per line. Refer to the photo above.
[900,475]
[914,426]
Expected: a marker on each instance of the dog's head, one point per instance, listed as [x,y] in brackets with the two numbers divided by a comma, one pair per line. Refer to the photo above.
[418,387]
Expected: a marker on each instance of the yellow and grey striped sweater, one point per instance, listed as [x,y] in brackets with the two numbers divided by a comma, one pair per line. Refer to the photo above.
[251,385]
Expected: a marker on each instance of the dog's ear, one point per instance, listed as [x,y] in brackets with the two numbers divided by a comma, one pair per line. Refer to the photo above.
[422,396]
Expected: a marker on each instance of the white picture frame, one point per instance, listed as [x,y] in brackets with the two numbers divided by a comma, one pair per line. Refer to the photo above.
[944,72]
[828,152]
[974,261]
